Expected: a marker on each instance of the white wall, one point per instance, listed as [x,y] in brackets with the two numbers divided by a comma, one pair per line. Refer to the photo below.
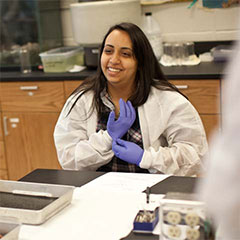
[178,22]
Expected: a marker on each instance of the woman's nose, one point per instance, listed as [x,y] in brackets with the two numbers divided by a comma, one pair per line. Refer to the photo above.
[115,59]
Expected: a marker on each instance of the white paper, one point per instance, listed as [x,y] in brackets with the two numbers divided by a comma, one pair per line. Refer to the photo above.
[99,214]
[130,182]
[105,209]
[77,68]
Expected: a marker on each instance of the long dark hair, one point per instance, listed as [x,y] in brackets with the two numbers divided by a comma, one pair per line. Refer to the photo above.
[148,72]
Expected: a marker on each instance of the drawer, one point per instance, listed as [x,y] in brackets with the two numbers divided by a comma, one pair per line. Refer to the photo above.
[32,96]
[1,128]
[203,94]
[70,86]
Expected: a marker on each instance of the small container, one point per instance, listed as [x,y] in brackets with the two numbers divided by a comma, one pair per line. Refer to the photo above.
[188,49]
[183,217]
[148,224]
[24,55]
[9,228]
[91,53]
[167,53]
[177,53]
[62,59]
[33,203]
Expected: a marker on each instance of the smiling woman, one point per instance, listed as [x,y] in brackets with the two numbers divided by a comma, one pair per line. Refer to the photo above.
[119,66]
[157,130]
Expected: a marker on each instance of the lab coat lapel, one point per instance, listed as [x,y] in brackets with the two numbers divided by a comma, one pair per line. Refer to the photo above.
[149,117]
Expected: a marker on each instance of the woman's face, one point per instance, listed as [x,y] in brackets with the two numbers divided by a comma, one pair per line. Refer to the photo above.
[118,62]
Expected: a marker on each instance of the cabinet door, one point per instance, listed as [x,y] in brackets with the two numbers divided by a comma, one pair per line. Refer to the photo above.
[30,143]
[3,165]
[1,127]
[211,123]
[70,86]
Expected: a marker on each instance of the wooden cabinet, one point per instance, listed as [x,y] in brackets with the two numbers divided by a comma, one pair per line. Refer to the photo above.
[3,164]
[203,94]
[70,86]
[32,96]
[30,111]
[205,97]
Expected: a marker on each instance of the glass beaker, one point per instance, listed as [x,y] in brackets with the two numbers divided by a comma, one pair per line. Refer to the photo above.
[167,52]
[177,53]
[189,46]
[25,60]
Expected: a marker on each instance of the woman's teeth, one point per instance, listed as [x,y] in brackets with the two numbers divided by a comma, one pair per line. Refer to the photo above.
[114,70]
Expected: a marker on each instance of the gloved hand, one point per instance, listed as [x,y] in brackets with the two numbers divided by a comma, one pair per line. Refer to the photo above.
[127,151]
[116,129]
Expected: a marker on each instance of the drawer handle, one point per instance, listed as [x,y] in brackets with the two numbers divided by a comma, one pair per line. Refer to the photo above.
[27,88]
[181,86]
[5,126]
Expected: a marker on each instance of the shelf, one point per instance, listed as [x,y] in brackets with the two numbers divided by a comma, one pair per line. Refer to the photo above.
[159,2]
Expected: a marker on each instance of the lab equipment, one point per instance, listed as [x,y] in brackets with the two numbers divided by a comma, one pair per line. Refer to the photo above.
[178,54]
[153,32]
[91,35]
[25,60]
[128,151]
[146,221]
[62,59]
[222,53]
[148,190]
[118,128]
[33,203]
[188,49]
[147,218]
[9,228]
[183,217]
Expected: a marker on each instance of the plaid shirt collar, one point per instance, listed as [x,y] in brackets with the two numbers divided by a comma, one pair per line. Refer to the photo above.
[106,99]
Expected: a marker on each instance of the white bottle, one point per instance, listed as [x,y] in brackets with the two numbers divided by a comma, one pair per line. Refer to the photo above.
[153,32]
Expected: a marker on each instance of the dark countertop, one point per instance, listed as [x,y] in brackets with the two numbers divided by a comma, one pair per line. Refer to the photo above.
[213,70]
[79,178]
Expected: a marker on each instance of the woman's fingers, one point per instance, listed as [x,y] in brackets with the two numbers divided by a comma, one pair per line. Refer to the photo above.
[123,111]
[132,111]
[111,117]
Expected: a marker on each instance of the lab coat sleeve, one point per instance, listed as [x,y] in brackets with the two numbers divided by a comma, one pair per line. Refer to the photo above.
[220,187]
[186,142]
[78,145]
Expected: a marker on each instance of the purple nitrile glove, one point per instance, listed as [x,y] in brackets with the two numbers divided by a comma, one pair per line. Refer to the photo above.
[116,129]
[127,151]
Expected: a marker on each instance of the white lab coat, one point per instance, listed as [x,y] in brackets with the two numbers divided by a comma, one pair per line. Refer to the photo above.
[220,189]
[173,136]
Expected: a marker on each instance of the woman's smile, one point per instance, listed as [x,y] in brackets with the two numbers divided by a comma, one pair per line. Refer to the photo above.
[113,69]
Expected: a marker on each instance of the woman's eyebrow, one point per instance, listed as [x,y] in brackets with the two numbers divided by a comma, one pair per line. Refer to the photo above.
[123,48]
[126,48]
[109,45]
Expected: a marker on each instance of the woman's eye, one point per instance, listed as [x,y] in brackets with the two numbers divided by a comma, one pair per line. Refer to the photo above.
[126,54]
[107,50]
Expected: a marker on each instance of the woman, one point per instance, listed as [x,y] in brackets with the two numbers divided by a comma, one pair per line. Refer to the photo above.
[156,130]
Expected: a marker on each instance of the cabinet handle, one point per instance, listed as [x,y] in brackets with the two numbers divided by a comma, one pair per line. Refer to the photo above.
[5,126]
[181,86]
[27,88]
